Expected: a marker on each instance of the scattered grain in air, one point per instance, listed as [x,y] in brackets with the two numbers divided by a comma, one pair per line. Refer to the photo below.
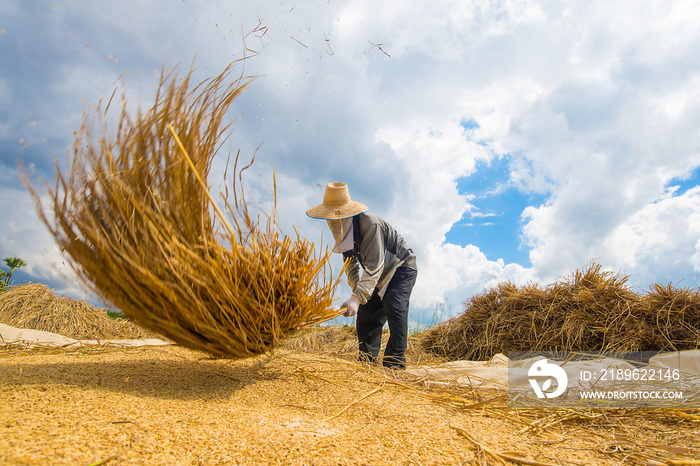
[2,31]
[21,141]
[70,33]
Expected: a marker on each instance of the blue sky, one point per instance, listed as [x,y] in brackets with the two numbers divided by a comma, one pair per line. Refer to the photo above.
[494,222]
[505,140]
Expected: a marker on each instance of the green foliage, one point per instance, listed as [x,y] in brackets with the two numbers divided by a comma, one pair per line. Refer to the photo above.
[13,263]
[115,314]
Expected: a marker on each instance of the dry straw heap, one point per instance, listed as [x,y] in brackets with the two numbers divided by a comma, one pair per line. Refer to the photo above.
[37,307]
[136,217]
[593,310]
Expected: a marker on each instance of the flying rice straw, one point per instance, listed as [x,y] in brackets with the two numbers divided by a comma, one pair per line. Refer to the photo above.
[134,215]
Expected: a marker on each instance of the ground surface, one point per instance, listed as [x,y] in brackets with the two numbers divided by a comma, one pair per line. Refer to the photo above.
[169,405]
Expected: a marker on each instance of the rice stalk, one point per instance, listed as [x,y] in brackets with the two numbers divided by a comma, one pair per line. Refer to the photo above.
[136,217]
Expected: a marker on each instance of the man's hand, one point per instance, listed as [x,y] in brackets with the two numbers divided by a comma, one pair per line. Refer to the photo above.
[351,306]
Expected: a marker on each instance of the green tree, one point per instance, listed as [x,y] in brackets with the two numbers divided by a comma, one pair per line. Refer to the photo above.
[3,286]
[13,263]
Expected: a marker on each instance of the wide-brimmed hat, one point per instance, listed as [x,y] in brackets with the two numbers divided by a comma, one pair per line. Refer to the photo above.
[336,204]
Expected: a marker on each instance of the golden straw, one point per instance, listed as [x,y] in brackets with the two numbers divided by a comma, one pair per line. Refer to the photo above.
[134,216]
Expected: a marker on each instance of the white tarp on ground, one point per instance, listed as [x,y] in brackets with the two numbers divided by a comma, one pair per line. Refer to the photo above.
[26,337]
[495,372]
[686,361]
[475,374]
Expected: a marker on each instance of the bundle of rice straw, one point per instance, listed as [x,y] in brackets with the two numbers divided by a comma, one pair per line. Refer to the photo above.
[593,310]
[136,217]
[35,306]
[675,315]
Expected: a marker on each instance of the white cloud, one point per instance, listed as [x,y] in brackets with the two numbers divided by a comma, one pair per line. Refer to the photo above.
[608,131]
[444,32]
[24,236]
[483,215]
[659,240]
[428,204]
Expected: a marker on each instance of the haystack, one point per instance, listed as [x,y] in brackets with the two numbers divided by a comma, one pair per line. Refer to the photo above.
[335,340]
[142,230]
[35,306]
[593,310]
[674,314]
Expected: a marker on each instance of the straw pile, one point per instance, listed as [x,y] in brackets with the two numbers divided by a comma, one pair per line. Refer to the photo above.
[674,314]
[137,219]
[35,306]
[333,340]
[593,310]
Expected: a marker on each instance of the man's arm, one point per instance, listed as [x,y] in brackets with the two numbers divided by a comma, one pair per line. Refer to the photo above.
[372,253]
[353,272]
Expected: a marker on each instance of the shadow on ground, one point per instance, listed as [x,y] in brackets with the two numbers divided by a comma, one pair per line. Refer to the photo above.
[179,379]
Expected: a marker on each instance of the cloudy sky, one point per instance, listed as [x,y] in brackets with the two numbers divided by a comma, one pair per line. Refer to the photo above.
[506,140]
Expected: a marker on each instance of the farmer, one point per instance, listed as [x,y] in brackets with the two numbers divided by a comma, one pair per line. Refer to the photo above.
[381,293]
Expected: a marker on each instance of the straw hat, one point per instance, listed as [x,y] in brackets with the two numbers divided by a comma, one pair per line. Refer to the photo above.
[336,204]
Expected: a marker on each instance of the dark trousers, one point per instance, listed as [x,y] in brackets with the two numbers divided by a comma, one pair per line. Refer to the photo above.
[392,308]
